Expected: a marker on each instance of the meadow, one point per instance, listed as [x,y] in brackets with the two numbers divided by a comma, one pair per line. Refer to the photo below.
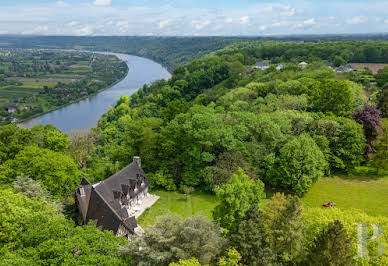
[364,193]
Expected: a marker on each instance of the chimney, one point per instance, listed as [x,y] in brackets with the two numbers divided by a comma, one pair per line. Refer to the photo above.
[136,159]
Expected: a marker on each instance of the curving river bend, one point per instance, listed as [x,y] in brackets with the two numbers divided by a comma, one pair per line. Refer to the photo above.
[86,113]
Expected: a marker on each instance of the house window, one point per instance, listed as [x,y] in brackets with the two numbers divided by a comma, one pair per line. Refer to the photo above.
[82,192]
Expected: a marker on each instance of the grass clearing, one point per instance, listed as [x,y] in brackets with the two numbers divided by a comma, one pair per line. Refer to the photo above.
[363,193]
[176,203]
[37,85]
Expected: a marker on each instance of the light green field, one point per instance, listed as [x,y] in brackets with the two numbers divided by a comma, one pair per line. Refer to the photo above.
[37,85]
[363,193]
[176,203]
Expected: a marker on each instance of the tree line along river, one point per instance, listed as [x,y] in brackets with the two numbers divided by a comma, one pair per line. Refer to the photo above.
[86,113]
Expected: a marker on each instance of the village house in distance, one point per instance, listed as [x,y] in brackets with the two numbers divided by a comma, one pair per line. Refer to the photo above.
[115,203]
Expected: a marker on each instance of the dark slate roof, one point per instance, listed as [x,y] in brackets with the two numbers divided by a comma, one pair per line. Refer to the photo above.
[100,202]
[262,64]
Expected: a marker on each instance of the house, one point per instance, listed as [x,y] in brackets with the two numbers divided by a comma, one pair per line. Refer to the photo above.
[262,65]
[329,64]
[344,69]
[114,204]
[279,67]
[10,108]
[302,64]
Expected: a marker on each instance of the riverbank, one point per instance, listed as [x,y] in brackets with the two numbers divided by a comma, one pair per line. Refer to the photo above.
[85,113]
[74,101]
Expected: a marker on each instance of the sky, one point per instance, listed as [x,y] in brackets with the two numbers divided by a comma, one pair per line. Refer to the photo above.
[192,17]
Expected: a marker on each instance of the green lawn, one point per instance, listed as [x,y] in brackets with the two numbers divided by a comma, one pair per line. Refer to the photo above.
[176,203]
[367,194]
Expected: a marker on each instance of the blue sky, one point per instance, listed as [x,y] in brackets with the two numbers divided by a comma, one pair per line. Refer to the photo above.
[192,17]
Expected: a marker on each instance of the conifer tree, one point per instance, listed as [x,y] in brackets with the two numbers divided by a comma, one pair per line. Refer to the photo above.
[332,246]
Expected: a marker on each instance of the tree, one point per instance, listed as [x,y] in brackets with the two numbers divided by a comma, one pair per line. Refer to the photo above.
[235,198]
[231,258]
[332,96]
[300,164]
[250,239]
[380,158]
[55,171]
[382,103]
[82,144]
[332,247]
[226,165]
[188,262]
[30,188]
[369,118]
[382,77]
[172,239]
[338,61]
[346,141]
[286,228]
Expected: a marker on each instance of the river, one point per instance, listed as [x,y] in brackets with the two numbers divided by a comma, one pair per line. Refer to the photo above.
[86,113]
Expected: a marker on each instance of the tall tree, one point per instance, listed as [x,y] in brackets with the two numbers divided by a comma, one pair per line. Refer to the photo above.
[236,197]
[369,118]
[250,239]
[332,247]
[299,165]
[380,158]
[83,143]
[172,239]
[383,101]
[285,223]
[382,76]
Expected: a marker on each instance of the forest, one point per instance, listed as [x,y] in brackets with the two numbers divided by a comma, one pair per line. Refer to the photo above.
[33,82]
[258,141]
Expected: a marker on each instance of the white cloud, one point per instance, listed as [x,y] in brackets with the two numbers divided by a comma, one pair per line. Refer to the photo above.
[199,24]
[244,20]
[73,23]
[62,4]
[84,31]
[37,30]
[287,12]
[309,22]
[386,21]
[102,2]
[357,20]
[332,18]
[263,28]
[163,23]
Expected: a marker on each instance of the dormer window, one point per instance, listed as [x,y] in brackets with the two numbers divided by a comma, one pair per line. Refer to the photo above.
[82,192]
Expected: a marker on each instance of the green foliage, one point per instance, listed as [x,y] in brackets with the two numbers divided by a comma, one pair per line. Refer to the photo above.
[382,77]
[193,140]
[250,239]
[318,218]
[286,227]
[236,197]
[30,188]
[332,246]
[34,229]
[172,238]
[13,139]
[332,96]
[380,159]
[55,171]
[346,141]
[339,61]
[232,258]
[300,164]
[188,262]
[382,104]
